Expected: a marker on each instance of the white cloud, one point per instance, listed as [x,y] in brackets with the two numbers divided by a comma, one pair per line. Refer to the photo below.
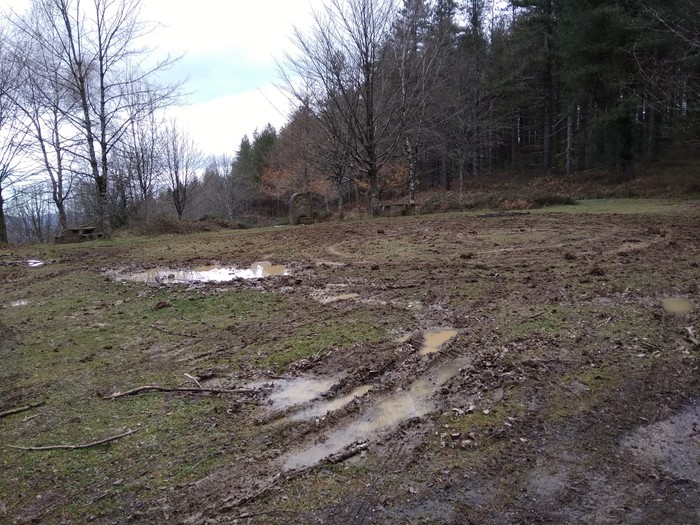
[229,48]
[219,125]
[230,51]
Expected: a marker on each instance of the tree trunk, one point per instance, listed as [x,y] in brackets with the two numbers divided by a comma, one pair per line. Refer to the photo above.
[444,172]
[408,151]
[3,224]
[569,145]
[651,136]
[373,191]
[548,93]
[341,211]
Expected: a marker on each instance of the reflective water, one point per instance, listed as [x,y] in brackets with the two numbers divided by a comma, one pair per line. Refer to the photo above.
[677,305]
[290,392]
[33,263]
[434,339]
[388,413]
[207,274]
[341,297]
[21,302]
[321,409]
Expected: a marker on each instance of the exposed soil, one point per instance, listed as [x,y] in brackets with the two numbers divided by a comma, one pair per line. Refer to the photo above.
[570,392]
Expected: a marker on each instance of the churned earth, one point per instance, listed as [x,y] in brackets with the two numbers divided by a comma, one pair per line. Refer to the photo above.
[477,368]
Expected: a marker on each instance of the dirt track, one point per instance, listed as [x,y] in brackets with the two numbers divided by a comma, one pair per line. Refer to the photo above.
[567,395]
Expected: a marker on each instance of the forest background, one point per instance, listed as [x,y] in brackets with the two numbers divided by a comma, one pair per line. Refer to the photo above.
[447,104]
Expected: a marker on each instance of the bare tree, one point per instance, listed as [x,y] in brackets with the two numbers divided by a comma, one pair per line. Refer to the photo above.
[32,205]
[141,158]
[344,73]
[182,161]
[94,48]
[44,101]
[226,194]
[12,132]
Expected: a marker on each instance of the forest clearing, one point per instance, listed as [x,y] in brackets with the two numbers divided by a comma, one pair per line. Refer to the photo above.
[479,367]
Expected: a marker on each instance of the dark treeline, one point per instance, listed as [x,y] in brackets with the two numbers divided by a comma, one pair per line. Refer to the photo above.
[454,90]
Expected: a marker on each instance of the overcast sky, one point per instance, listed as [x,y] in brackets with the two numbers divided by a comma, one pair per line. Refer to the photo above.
[229,48]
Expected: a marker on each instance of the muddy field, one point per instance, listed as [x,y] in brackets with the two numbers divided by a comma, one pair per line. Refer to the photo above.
[462,368]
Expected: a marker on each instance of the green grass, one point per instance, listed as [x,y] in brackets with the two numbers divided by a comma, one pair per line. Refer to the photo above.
[621,206]
[82,336]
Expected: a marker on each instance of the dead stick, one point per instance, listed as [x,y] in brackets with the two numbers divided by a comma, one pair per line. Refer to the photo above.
[252,497]
[74,447]
[333,459]
[156,327]
[194,379]
[342,456]
[156,388]
[20,409]
[536,315]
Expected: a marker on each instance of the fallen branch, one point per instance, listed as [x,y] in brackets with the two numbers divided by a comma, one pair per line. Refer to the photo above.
[230,504]
[247,499]
[169,332]
[156,388]
[691,336]
[347,454]
[20,409]
[194,379]
[74,447]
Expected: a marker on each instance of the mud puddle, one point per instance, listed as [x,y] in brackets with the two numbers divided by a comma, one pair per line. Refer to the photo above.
[334,293]
[674,443]
[206,274]
[385,415]
[17,304]
[332,405]
[677,305]
[434,339]
[35,263]
[290,392]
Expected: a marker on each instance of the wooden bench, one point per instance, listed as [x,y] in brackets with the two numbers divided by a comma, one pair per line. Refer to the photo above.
[82,233]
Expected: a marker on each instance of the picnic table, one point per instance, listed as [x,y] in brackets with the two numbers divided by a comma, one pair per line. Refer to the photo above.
[79,234]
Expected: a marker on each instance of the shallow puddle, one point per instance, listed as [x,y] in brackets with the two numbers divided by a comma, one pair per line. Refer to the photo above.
[388,413]
[290,392]
[341,297]
[332,405]
[676,305]
[206,274]
[434,339]
[34,263]
[21,302]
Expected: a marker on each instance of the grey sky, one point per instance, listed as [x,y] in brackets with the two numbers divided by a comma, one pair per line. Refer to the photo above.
[229,48]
